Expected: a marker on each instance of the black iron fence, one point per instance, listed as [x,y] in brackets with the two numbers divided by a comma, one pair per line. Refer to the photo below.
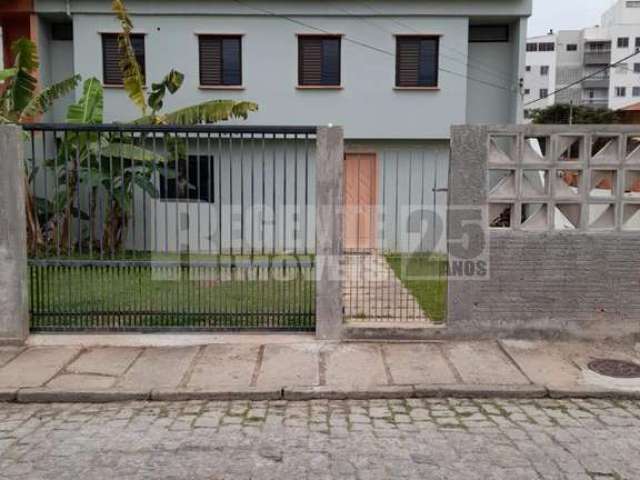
[164,227]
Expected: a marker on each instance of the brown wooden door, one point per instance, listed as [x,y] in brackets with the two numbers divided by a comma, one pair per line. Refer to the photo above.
[360,198]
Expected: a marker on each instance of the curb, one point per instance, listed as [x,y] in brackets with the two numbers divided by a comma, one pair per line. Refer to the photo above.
[481,391]
[8,395]
[228,395]
[383,392]
[566,393]
[47,395]
[333,393]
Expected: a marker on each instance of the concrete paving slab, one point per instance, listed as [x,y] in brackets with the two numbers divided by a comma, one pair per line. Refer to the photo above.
[224,366]
[483,363]
[9,353]
[289,366]
[544,363]
[158,368]
[73,381]
[354,366]
[105,361]
[582,353]
[35,366]
[417,363]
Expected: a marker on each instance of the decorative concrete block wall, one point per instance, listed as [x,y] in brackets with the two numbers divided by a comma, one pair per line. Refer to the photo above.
[563,229]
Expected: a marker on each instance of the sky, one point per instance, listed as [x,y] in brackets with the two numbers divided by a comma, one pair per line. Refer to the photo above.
[565,14]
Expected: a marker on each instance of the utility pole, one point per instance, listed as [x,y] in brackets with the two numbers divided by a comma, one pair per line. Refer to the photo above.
[571,112]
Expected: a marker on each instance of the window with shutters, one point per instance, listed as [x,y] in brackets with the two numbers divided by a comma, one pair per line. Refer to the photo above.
[319,61]
[111,55]
[417,61]
[220,60]
[192,178]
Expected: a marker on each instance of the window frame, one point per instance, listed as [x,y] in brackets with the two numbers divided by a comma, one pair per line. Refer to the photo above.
[621,92]
[143,66]
[166,184]
[623,42]
[531,47]
[222,86]
[301,86]
[504,27]
[635,92]
[546,93]
[572,47]
[544,70]
[423,36]
[546,47]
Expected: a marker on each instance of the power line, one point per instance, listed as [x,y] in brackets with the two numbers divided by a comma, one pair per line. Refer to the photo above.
[364,44]
[566,87]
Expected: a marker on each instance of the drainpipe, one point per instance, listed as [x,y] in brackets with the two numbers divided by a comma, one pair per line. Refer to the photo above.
[68,8]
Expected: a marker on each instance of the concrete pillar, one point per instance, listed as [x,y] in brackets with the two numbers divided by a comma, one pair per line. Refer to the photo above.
[14,311]
[329,190]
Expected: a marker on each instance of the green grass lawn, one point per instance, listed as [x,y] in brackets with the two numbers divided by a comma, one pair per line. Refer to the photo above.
[191,297]
[425,276]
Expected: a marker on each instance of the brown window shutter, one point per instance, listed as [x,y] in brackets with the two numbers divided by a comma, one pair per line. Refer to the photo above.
[112,75]
[310,61]
[408,62]
[210,60]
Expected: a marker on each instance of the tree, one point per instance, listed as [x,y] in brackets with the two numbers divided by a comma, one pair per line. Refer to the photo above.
[579,115]
[151,104]
[20,101]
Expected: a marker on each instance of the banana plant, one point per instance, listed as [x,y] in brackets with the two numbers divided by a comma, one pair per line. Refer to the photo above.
[20,99]
[107,165]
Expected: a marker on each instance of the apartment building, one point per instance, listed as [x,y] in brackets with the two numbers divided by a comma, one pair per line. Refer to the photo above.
[560,59]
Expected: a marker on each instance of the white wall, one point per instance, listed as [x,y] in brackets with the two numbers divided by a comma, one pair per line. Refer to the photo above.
[534,80]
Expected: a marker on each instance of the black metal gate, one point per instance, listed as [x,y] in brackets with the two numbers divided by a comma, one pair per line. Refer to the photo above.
[136,228]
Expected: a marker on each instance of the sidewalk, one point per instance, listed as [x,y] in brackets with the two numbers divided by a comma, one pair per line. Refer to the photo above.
[297,367]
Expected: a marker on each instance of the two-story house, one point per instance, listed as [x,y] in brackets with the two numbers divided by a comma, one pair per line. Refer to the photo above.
[395,74]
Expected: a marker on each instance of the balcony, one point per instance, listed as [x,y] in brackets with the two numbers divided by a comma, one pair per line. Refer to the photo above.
[595,102]
[599,81]
[597,57]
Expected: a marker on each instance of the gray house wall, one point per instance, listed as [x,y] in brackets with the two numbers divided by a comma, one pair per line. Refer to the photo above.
[367,106]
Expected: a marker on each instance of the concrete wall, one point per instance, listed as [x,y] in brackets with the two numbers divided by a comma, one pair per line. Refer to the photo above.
[580,283]
[13,243]
[368,62]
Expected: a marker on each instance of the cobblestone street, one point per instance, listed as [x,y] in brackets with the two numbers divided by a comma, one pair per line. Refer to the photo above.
[417,439]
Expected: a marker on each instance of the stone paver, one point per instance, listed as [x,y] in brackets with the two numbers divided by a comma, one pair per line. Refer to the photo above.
[78,381]
[35,366]
[544,363]
[224,366]
[418,363]
[376,439]
[483,363]
[158,368]
[105,361]
[290,365]
[354,365]
[8,353]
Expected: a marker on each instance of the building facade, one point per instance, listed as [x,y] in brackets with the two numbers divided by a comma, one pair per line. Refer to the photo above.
[562,60]
[396,75]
